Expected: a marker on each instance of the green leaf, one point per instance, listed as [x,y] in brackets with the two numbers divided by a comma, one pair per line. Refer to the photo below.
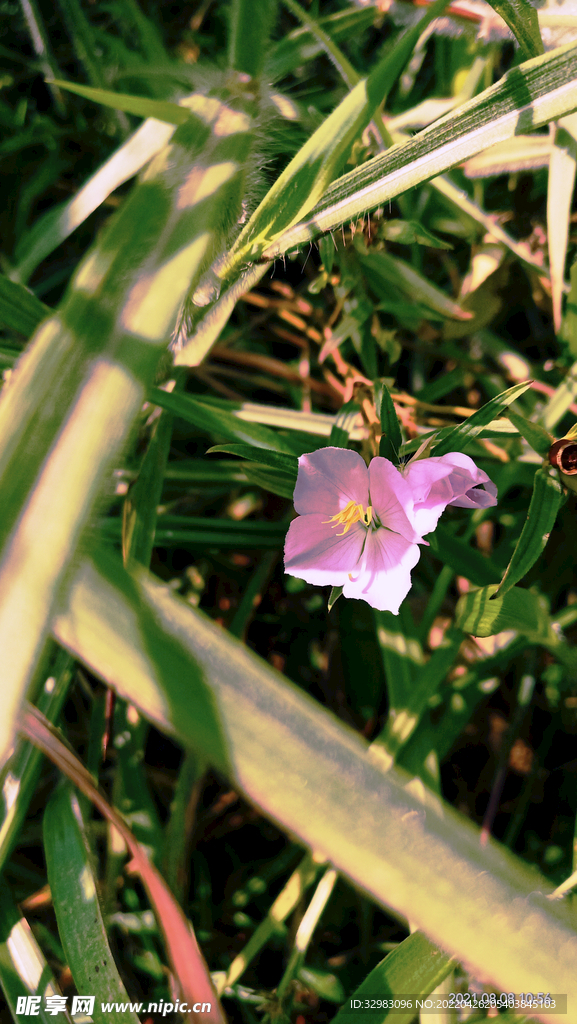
[276,482]
[288,463]
[249,32]
[521,17]
[536,436]
[389,273]
[546,501]
[333,597]
[172,662]
[407,232]
[462,558]
[180,531]
[527,97]
[560,188]
[429,679]
[458,438]
[313,168]
[219,422]
[26,760]
[141,106]
[391,437]
[141,503]
[569,328]
[345,421]
[415,967]
[80,923]
[325,984]
[483,613]
[302,45]
[19,308]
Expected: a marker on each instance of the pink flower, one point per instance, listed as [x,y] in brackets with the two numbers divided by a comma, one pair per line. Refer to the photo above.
[451,479]
[343,537]
[360,528]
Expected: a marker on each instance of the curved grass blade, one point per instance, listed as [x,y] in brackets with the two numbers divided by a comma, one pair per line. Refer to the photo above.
[80,924]
[218,421]
[546,500]
[21,773]
[287,463]
[55,226]
[458,438]
[313,168]
[535,435]
[483,613]
[167,657]
[392,274]
[560,188]
[302,44]
[527,97]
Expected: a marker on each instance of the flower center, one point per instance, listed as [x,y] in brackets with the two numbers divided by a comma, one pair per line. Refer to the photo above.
[350,514]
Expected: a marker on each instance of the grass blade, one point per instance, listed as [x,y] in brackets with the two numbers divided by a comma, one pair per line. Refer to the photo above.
[457,439]
[430,868]
[80,924]
[521,17]
[546,500]
[525,98]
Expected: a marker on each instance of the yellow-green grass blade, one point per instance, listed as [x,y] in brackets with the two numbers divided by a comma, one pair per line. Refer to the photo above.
[70,403]
[315,777]
[560,190]
[313,168]
[527,97]
[80,922]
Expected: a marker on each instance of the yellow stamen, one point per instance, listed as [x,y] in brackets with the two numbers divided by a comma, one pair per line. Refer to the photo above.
[350,514]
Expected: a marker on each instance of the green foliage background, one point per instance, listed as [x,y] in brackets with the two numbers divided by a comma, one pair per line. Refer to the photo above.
[349,226]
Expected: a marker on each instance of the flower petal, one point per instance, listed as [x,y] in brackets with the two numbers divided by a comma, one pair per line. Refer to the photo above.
[430,482]
[329,479]
[451,479]
[385,577]
[392,499]
[315,552]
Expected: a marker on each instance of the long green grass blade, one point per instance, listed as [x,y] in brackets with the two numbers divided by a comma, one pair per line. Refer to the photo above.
[80,923]
[77,390]
[220,422]
[521,17]
[141,106]
[459,437]
[311,171]
[414,968]
[19,307]
[156,652]
[546,501]
[525,98]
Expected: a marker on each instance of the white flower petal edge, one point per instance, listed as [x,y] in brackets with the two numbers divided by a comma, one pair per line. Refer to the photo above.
[385,576]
